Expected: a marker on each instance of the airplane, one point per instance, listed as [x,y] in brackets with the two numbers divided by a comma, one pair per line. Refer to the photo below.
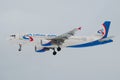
[45,43]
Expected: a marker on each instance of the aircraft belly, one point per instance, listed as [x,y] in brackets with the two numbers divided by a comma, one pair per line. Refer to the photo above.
[76,41]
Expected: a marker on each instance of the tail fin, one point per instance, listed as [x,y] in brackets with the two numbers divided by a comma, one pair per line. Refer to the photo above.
[105,29]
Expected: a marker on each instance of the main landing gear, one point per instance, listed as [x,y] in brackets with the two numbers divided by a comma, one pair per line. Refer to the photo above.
[54,52]
[58,49]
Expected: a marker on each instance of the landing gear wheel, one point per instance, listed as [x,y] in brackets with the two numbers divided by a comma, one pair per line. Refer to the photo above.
[58,49]
[54,53]
[19,49]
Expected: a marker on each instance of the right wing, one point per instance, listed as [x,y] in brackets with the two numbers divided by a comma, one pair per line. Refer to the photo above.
[58,40]
[68,34]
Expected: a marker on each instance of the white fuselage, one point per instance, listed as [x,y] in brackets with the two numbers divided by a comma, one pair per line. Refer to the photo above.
[73,40]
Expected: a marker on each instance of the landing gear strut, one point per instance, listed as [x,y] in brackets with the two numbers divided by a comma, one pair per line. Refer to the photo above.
[20,47]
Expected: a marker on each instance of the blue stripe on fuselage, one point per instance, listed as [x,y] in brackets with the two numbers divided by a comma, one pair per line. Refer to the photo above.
[94,43]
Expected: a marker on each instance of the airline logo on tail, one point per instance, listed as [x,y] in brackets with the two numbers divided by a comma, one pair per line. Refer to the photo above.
[105,29]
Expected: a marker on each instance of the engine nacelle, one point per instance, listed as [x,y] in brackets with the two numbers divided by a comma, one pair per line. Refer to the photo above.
[41,49]
[46,43]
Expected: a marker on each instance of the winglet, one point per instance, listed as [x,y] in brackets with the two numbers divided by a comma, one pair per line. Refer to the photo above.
[79,28]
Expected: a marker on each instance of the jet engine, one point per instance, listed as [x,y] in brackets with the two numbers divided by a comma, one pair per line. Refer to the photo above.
[41,49]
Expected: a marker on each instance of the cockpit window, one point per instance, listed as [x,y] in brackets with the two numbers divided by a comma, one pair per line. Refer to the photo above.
[13,36]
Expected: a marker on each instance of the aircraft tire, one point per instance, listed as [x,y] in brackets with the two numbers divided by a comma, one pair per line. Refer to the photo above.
[58,49]
[19,49]
[54,53]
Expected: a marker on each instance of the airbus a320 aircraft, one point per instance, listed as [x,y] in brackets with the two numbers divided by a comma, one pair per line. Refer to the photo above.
[44,43]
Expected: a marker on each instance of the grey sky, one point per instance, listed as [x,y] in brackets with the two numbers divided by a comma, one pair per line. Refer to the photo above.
[57,17]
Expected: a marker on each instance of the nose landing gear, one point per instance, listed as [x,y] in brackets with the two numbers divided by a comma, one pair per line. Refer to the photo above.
[20,47]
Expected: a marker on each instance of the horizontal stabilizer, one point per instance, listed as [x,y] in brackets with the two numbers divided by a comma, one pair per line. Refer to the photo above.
[106,39]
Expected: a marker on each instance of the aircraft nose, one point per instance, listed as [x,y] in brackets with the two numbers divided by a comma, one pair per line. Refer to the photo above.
[12,36]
